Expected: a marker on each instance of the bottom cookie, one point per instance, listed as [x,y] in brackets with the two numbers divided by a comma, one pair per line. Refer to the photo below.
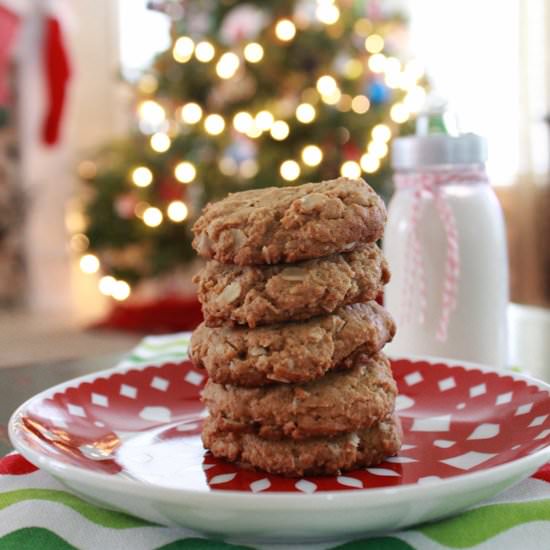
[316,456]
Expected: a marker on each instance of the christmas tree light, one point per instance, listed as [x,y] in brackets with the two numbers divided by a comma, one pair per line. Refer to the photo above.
[152,216]
[183,49]
[305,113]
[243,121]
[227,65]
[327,13]
[369,163]
[381,132]
[326,85]
[191,113]
[264,120]
[378,148]
[177,211]
[248,168]
[312,155]
[228,166]
[253,52]
[377,62]
[185,172]
[160,142]
[152,113]
[290,170]
[254,132]
[353,68]
[332,98]
[142,176]
[374,43]
[121,290]
[360,104]
[107,285]
[204,51]
[285,30]
[350,169]
[214,124]
[89,263]
[280,130]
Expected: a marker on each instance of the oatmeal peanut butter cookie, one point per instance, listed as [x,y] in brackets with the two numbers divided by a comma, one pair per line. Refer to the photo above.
[339,402]
[315,456]
[290,352]
[289,224]
[259,295]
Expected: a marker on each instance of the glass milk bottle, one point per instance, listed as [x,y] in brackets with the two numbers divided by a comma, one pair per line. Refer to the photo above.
[445,243]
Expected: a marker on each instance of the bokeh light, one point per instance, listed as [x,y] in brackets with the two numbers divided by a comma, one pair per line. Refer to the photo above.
[360,104]
[305,113]
[191,113]
[177,211]
[89,263]
[350,169]
[121,290]
[160,142]
[285,30]
[185,172]
[312,155]
[369,163]
[204,51]
[227,65]
[142,176]
[290,170]
[214,124]
[374,43]
[253,52]
[183,49]
[152,216]
[279,130]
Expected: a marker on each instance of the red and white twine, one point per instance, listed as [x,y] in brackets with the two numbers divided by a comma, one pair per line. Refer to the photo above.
[428,184]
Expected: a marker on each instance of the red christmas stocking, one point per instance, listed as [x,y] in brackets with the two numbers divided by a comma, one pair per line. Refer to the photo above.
[56,64]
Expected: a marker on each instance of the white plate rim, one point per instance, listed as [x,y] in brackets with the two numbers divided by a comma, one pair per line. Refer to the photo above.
[282,499]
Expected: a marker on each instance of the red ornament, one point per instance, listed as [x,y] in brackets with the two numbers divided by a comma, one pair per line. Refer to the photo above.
[351,151]
[168,314]
[170,190]
[125,205]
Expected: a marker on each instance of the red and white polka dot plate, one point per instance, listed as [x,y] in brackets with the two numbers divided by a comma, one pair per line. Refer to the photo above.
[130,439]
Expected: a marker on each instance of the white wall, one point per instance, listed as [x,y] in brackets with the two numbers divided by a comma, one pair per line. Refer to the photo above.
[490,59]
[93,115]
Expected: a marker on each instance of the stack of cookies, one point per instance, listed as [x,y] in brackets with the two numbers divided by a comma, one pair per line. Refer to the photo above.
[292,335]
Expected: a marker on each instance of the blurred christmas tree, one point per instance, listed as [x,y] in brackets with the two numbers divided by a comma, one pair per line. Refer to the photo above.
[252,94]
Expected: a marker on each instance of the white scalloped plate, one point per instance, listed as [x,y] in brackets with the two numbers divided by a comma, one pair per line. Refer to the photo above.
[129,439]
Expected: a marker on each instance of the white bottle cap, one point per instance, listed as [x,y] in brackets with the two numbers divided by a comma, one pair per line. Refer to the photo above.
[416,151]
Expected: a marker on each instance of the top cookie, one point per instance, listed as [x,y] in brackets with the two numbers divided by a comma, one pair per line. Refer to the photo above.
[289,224]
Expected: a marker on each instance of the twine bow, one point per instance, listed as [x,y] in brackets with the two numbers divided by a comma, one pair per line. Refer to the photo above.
[429,184]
